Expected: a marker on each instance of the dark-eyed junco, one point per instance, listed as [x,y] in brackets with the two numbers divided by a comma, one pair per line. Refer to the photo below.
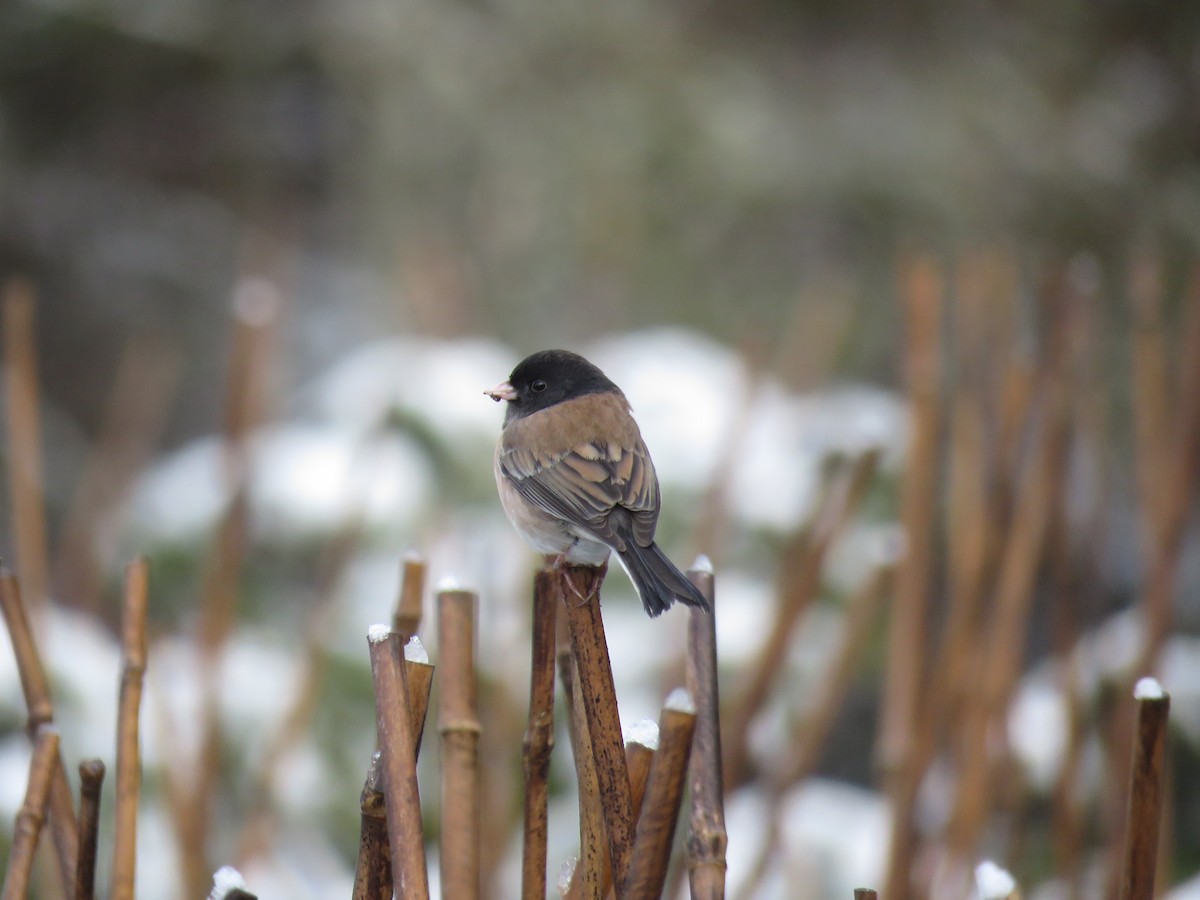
[575,477]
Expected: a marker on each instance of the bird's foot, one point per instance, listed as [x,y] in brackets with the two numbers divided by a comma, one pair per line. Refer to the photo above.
[573,574]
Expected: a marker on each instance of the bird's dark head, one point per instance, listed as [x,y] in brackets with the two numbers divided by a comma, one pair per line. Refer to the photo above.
[546,378]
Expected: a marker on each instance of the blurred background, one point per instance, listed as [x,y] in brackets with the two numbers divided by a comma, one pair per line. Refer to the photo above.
[272,254]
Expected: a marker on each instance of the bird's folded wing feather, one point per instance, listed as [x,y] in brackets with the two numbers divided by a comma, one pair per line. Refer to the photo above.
[585,484]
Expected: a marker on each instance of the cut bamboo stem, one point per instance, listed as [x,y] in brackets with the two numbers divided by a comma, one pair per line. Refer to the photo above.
[592,869]
[91,780]
[639,756]
[32,814]
[373,873]
[1145,792]
[458,723]
[660,807]
[128,776]
[393,720]
[36,689]
[26,486]
[706,838]
[410,603]
[418,674]
[539,737]
[595,684]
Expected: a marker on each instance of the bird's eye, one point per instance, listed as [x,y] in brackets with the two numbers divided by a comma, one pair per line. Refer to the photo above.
[537,386]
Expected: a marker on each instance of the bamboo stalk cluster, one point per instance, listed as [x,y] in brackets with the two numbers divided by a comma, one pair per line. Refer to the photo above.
[999,424]
[630,793]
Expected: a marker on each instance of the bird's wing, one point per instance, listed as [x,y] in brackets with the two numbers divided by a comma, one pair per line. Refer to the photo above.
[586,484]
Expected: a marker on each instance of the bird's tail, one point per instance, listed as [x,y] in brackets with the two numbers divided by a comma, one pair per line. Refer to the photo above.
[658,582]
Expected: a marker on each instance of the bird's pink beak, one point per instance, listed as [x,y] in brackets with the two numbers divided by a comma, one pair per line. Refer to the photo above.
[502,391]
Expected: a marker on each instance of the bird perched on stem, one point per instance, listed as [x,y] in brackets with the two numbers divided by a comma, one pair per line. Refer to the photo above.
[575,477]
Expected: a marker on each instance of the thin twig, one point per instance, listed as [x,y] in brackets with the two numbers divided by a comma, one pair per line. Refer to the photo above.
[26,486]
[134,420]
[458,724]
[373,873]
[862,613]
[1152,394]
[255,308]
[660,807]
[800,581]
[539,737]
[399,762]
[259,823]
[32,814]
[1145,793]
[128,777]
[36,688]
[1169,519]
[706,838]
[595,683]
[813,731]
[91,780]
[999,652]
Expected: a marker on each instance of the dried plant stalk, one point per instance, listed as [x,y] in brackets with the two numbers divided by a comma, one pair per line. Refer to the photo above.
[922,297]
[32,814]
[419,677]
[399,763]
[638,759]
[1169,519]
[799,583]
[539,737]
[458,723]
[128,777]
[594,869]
[373,873]
[255,307]
[409,606]
[706,838]
[862,613]
[259,823]
[1145,798]
[36,689]
[1151,387]
[660,808]
[134,420]
[1000,654]
[91,780]
[26,487]
[595,684]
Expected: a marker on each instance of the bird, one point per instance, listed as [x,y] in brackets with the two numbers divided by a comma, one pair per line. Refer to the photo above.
[575,478]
